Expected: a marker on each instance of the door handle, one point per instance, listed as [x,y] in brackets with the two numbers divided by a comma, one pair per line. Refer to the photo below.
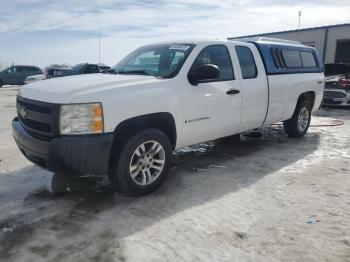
[233,91]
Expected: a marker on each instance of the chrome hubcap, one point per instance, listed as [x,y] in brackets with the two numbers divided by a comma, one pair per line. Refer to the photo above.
[147,163]
[303,119]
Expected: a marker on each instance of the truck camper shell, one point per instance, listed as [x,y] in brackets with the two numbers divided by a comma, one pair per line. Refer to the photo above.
[275,53]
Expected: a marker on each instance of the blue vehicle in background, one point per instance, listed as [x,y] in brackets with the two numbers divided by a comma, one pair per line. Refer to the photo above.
[17,74]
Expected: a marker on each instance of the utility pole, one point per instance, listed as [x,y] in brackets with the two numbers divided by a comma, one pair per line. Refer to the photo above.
[99,46]
[299,20]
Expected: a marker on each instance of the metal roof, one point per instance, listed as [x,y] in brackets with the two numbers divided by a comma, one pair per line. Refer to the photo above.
[292,31]
[260,39]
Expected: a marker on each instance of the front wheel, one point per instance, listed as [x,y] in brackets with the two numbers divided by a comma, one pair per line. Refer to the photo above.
[298,125]
[143,163]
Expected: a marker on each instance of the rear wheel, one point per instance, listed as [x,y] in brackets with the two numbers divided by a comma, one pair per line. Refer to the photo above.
[298,125]
[1,83]
[143,163]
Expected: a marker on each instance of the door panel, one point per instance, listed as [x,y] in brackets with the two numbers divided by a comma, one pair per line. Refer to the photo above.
[209,111]
[254,88]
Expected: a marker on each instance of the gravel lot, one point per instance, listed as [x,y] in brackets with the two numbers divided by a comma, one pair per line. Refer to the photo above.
[267,199]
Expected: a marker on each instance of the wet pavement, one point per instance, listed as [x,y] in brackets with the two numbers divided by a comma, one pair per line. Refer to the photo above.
[224,200]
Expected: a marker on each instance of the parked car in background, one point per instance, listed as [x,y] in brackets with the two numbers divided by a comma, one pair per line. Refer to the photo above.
[104,68]
[34,78]
[17,74]
[57,66]
[83,68]
[56,69]
[337,88]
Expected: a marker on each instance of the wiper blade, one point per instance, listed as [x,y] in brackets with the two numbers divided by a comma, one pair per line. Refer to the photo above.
[138,72]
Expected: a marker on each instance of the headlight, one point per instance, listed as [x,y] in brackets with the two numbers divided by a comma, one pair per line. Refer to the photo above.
[81,119]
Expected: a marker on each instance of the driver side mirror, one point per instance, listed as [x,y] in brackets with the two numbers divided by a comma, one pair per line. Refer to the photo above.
[203,73]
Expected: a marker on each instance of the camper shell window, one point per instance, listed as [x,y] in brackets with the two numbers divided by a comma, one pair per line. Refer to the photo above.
[285,58]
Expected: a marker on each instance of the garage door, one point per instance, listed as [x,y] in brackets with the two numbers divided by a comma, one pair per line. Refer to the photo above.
[342,54]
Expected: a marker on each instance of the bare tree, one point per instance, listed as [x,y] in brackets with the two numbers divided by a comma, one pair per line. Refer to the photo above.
[3,65]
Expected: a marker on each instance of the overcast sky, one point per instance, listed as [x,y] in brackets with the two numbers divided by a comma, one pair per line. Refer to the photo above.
[42,32]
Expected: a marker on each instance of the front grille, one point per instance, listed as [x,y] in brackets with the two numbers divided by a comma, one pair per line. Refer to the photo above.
[39,118]
[334,94]
[45,127]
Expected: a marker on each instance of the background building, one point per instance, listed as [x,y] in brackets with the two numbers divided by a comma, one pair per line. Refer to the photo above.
[332,42]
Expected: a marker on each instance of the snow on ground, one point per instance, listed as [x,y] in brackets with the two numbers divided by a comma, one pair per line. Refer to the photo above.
[267,199]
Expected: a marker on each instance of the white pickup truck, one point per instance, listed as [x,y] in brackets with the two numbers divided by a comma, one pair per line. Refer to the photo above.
[164,97]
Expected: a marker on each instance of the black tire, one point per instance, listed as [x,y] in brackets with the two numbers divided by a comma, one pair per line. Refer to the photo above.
[292,126]
[120,174]
[1,83]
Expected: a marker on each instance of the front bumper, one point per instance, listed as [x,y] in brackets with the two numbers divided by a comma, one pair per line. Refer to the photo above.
[327,101]
[77,155]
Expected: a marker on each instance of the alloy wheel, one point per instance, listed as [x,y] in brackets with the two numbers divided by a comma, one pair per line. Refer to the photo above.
[147,163]
[303,119]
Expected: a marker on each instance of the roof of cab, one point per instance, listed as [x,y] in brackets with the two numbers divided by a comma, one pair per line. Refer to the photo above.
[193,41]
[258,40]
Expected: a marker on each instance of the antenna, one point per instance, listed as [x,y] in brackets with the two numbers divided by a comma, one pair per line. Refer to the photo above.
[99,46]
[299,20]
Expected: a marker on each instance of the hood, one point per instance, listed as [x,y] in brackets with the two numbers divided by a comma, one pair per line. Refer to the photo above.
[65,89]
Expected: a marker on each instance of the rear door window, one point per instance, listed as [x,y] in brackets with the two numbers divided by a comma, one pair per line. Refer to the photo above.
[34,69]
[29,69]
[291,58]
[37,69]
[246,62]
[308,59]
[20,69]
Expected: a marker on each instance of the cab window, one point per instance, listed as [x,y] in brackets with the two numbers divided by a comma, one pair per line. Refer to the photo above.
[217,55]
[247,62]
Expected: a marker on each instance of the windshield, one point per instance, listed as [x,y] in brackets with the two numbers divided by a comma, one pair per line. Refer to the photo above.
[163,60]
[78,67]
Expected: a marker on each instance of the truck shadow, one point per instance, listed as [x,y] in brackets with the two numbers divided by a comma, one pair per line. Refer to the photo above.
[101,218]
